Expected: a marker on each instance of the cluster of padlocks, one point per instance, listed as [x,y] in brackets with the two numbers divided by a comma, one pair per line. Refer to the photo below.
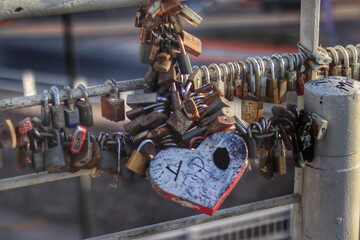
[182,132]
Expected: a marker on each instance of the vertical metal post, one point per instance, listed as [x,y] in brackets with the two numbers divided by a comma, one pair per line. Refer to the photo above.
[70,59]
[309,37]
[331,193]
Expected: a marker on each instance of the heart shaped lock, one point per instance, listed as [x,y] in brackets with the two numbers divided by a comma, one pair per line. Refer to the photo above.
[200,179]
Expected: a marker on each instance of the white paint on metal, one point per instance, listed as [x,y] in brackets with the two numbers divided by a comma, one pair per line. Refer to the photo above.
[330,190]
[192,178]
[17,9]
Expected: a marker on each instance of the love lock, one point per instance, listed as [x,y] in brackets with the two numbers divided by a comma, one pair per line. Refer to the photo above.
[200,179]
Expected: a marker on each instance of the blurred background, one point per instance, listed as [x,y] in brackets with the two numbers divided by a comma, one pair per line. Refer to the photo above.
[105,46]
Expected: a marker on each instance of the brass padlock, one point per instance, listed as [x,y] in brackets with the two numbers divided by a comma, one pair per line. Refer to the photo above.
[163,62]
[137,162]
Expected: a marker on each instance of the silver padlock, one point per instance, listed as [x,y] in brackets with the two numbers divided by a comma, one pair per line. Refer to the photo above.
[57,110]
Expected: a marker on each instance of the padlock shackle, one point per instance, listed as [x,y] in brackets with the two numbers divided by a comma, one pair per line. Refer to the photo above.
[141,145]
[46,99]
[291,61]
[256,67]
[216,70]
[354,53]
[281,63]
[345,55]
[70,98]
[55,91]
[272,66]
[84,91]
[113,83]
[335,56]
[225,71]
[237,70]
[205,73]
[261,63]
[243,69]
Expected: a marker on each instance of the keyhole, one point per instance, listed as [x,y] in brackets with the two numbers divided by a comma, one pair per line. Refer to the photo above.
[221,158]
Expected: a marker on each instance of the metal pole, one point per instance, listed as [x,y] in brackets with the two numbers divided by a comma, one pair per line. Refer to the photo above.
[17,9]
[202,218]
[37,178]
[70,58]
[331,195]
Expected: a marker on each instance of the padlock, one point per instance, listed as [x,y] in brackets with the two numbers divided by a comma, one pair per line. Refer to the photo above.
[290,73]
[145,49]
[179,123]
[37,157]
[112,106]
[250,77]
[191,109]
[45,110]
[245,85]
[191,43]
[85,108]
[204,89]
[163,62]
[78,139]
[153,8]
[84,156]
[8,139]
[190,16]
[150,23]
[57,110]
[143,99]
[278,153]
[218,84]
[282,81]
[155,47]
[176,23]
[21,157]
[224,75]
[215,106]
[140,14]
[193,133]
[170,7]
[135,125]
[346,70]
[355,65]
[183,59]
[230,89]
[220,124]
[136,112]
[272,91]
[212,97]
[175,98]
[200,179]
[137,162]
[335,67]
[150,79]
[237,80]
[25,126]
[223,111]
[165,79]
[154,119]
[109,159]
[55,157]
[72,115]
[268,170]
[115,182]
[263,77]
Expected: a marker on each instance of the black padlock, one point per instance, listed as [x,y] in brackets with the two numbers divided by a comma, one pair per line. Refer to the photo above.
[85,108]
[183,59]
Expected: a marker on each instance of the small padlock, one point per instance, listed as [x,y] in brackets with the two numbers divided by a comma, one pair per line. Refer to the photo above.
[282,81]
[346,70]
[78,139]
[72,115]
[355,65]
[112,106]
[25,126]
[335,67]
[8,139]
[45,110]
[55,157]
[290,74]
[218,84]
[85,108]
[163,62]
[84,157]
[137,161]
[278,153]
[220,124]
[191,109]
[37,157]
[57,110]
[170,7]
[190,16]
[166,79]
[183,59]
[179,123]
[109,161]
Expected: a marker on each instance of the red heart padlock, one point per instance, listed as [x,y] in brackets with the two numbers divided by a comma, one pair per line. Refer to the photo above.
[200,179]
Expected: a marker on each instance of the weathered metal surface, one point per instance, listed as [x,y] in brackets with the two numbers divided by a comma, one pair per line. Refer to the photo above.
[16,9]
[201,218]
[98,90]
[203,178]
[37,178]
[331,195]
